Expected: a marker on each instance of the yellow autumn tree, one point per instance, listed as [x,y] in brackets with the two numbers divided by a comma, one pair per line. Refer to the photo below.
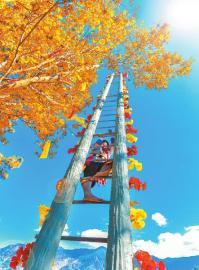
[50,55]
[147,59]
[50,52]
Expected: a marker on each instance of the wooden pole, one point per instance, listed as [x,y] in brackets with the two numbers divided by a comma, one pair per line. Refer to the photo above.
[44,250]
[119,250]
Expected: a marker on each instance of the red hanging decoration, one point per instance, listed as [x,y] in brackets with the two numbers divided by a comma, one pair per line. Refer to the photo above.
[131,129]
[72,150]
[125,75]
[132,151]
[146,262]
[80,133]
[136,184]
[161,266]
[88,119]
[21,257]
[127,115]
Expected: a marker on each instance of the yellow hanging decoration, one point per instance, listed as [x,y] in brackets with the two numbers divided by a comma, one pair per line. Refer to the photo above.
[43,212]
[46,148]
[137,217]
[78,119]
[131,138]
[129,123]
[134,164]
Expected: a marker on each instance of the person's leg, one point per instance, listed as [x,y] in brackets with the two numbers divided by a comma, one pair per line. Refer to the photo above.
[85,182]
[97,170]
[87,191]
[105,170]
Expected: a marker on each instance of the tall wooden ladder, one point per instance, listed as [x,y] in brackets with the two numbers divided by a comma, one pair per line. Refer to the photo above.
[119,242]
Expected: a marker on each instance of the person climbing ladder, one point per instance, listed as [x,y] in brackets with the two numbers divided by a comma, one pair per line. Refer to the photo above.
[97,166]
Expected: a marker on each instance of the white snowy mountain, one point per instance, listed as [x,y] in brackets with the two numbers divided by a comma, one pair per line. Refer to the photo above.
[78,259]
[92,259]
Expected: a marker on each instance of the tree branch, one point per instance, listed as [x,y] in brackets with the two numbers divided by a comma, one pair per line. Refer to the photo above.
[23,39]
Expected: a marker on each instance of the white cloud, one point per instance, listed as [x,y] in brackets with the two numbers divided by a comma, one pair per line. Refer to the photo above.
[65,231]
[159,219]
[94,233]
[173,245]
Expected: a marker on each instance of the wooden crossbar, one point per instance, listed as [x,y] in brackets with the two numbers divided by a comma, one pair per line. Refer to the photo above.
[108,114]
[94,180]
[104,121]
[85,239]
[111,96]
[85,202]
[105,127]
[111,101]
[108,106]
[111,134]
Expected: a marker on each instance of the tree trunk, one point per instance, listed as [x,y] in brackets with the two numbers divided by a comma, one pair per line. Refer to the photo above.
[44,251]
[119,250]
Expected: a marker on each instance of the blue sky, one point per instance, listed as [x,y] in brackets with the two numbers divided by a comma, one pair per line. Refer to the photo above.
[167,144]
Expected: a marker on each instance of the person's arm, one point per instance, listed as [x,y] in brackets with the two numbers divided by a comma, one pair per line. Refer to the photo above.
[96,147]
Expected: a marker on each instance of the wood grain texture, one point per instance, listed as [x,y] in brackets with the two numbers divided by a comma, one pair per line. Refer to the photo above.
[44,251]
[119,250]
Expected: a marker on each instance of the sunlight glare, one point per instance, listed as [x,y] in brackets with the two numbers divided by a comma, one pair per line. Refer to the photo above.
[183,14]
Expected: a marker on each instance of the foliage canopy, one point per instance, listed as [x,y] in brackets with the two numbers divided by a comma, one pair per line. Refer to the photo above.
[50,52]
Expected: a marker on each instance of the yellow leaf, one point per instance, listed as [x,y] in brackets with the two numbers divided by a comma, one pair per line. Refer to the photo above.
[46,149]
[78,119]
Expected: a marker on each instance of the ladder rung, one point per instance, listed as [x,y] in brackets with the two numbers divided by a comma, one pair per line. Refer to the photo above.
[85,239]
[85,202]
[111,101]
[104,121]
[111,134]
[108,106]
[108,114]
[93,180]
[112,96]
[105,127]
[108,110]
